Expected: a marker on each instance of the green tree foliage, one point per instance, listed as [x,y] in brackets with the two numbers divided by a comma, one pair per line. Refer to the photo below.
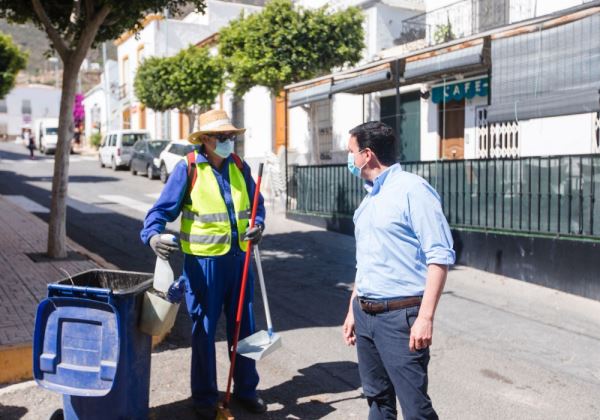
[73,27]
[12,60]
[284,44]
[189,81]
[443,33]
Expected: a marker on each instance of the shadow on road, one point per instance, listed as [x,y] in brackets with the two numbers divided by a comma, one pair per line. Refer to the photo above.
[11,412]
[303,396]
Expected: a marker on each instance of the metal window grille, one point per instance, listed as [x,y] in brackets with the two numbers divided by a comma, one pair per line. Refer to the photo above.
[496,140]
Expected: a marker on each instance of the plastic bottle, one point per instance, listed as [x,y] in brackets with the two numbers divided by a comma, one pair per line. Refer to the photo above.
[163,274]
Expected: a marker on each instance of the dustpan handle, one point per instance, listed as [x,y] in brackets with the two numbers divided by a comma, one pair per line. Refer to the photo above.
[263,289]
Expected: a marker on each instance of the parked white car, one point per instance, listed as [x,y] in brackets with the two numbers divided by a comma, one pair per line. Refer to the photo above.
[45,132]
[173,153]
[117,147]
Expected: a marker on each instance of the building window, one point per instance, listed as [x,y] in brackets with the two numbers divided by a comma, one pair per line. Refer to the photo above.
[140,53]
[496,140]
[596,145]
[26,107]
[3,106]
[323,128]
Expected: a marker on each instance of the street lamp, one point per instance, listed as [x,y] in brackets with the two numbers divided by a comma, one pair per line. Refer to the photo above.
[55,61]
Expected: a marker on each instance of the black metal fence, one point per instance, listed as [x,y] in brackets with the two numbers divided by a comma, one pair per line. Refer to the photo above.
[533,195]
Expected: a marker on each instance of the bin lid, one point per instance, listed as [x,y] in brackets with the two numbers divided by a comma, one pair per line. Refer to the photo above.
[76,346]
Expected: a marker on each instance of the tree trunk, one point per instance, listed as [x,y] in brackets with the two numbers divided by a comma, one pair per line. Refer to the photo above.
[57,232]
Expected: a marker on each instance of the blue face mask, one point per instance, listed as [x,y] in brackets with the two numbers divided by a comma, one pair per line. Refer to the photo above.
[354,170]
[224,148]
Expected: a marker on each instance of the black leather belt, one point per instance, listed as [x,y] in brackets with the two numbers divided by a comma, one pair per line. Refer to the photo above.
[379,306]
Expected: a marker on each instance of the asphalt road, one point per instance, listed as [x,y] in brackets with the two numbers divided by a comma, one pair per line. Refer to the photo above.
[502,348]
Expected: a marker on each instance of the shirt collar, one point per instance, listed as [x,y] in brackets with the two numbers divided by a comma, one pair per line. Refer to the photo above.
[374,187]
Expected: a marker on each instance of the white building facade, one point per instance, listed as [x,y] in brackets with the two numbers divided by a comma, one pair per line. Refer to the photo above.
[24,104]
[101,103]
[481,94]
[166,37]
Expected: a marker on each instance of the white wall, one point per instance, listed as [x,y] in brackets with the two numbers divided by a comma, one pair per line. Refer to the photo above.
[259,123]
[471,125]
[96,97]
[45,103]
[566,135]
[299,136]
[347,113]
[430,139]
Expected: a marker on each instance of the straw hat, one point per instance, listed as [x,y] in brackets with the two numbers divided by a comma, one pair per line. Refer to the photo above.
[215,121]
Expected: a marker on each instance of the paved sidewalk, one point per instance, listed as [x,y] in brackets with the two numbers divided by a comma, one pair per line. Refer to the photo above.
[25,273]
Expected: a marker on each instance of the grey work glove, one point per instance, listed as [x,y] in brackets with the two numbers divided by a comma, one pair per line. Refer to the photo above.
[254,234]
[163,245]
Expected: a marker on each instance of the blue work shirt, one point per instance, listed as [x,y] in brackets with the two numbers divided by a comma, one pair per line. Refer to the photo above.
[171,200]
[400,228]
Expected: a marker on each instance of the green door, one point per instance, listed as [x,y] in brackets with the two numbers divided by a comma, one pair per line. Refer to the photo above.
[410,134]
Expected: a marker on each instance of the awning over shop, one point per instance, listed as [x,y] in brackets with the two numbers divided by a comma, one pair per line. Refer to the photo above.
[310,94]
[547,72]
[453,61]
[574,101]
[379,78]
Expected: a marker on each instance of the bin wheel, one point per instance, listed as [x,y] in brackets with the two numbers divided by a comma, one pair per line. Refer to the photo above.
[57,415]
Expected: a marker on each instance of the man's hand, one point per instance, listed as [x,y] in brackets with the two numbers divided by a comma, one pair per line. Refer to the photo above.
[254,234]
[348,329]
[420,334]
[163,246]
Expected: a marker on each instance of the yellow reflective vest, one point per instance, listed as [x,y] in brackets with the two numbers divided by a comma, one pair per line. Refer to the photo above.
[205,225]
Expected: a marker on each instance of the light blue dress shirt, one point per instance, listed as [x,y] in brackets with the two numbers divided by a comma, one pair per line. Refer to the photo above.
[400,228]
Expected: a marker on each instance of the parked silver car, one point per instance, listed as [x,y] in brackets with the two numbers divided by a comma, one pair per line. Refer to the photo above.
[117,147]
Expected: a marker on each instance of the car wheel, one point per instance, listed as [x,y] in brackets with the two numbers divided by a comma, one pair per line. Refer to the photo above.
[163,173]
[101,163]
[133,171]
[150,171]
[113,164]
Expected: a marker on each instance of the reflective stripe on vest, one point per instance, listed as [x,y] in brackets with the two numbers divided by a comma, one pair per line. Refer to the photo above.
[205,225]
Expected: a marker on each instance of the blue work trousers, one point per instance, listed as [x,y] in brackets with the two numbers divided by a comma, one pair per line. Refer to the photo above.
[388,369]
[213,285]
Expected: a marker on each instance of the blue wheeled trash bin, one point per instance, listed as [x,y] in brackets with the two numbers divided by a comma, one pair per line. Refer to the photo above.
[88,347]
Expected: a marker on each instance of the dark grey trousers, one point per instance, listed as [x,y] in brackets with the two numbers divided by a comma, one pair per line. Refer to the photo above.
[388,369]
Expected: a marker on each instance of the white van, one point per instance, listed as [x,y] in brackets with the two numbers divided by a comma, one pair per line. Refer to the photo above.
[45,132]
[117,147]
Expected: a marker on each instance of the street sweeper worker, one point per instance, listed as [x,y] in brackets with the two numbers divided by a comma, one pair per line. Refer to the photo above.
[212,189]
[403,250]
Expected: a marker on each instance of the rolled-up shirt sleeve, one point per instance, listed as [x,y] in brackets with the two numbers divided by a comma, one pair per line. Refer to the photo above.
[168,206]
[430,225]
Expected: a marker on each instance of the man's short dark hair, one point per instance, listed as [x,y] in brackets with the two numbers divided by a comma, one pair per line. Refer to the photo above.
[378,137]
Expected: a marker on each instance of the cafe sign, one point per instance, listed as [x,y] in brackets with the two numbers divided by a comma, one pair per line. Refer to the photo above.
[461,90]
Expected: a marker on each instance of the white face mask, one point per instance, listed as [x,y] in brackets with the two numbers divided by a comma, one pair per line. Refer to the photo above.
[224,148]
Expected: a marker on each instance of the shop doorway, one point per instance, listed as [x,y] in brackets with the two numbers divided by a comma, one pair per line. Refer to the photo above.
[452,129]
[410,123]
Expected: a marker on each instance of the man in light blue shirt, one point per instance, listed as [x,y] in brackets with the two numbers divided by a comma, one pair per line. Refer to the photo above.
[403,250]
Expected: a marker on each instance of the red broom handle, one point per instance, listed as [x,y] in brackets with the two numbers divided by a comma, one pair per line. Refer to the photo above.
[238,319]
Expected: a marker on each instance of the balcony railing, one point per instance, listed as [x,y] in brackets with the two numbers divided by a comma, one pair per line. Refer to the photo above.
[551,196]
[462,19]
